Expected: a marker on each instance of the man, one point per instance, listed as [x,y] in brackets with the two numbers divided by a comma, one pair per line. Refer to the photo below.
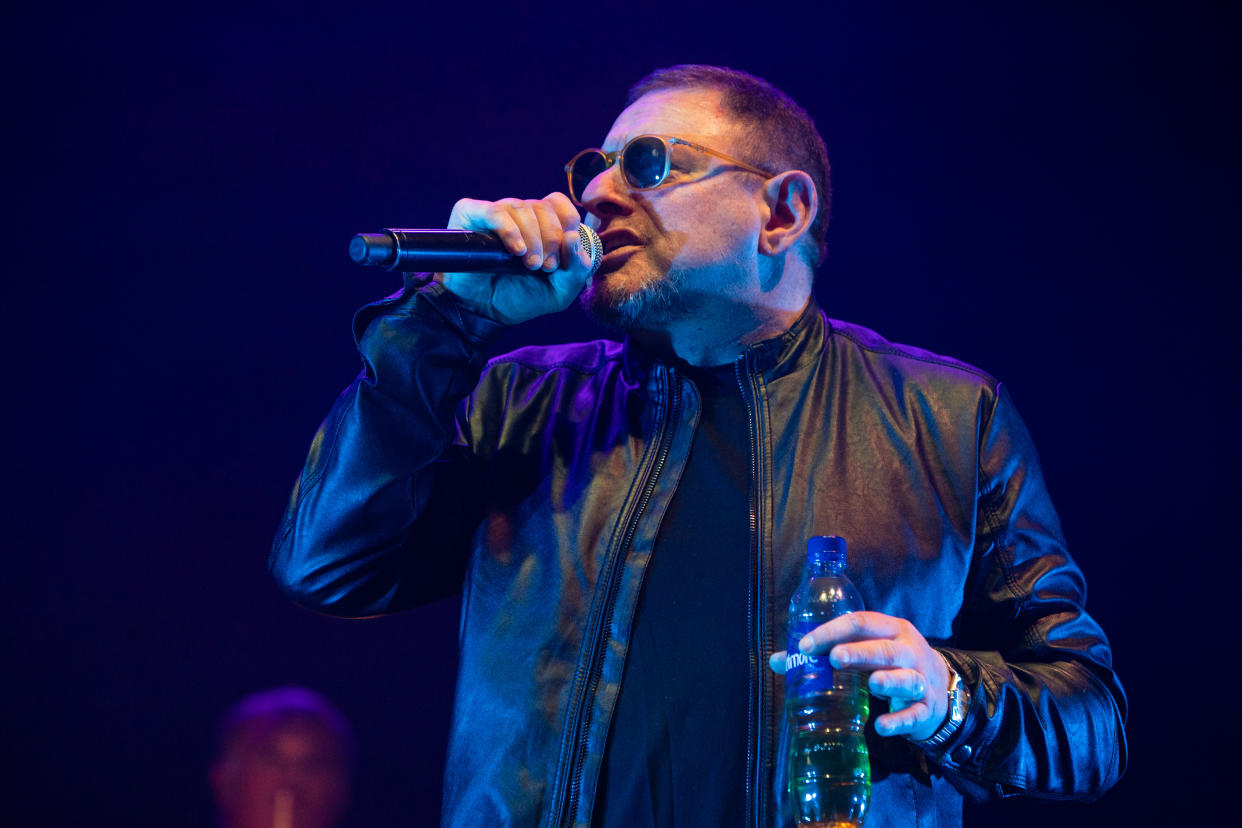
[629,521]
[283,762]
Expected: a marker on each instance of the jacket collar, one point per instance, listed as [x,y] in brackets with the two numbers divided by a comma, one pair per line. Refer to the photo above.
[789,351]
[773,358]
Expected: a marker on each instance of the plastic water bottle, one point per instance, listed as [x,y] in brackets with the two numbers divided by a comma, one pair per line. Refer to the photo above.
[829,772]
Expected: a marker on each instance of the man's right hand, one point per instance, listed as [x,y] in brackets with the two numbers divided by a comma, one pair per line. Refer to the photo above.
[543,231]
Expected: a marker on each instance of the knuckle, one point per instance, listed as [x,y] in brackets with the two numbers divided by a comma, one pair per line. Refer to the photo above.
[547,217]
[497,216]
[560,204]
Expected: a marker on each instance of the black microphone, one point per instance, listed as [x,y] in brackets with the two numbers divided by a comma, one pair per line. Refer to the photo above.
[449,251]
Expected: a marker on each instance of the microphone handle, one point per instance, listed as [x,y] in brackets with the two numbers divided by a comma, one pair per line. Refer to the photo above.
[434,251]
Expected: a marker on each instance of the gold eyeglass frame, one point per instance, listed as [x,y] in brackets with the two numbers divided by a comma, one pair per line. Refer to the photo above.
[669,141]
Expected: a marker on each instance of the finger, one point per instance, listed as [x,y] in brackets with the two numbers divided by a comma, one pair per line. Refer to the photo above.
[524,217]
[874,654]
[573,240]
[565,210]
[488,217]
[898,685]
[906,720]
[568,282]
[569,218]
[551,234]
[777,662]
[853,626]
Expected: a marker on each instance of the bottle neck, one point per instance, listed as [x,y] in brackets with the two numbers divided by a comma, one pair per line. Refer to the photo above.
[817,567]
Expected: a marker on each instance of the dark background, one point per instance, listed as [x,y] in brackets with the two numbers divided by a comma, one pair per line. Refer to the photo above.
[1045,189]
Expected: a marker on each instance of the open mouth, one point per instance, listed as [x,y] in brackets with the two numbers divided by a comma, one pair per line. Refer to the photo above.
[618,239]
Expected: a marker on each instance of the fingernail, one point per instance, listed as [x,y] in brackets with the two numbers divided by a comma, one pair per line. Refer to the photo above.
[806,643]
[841,658]
[532,261]
[549,263]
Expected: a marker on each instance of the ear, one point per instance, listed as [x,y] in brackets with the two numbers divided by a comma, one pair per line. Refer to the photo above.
[791,203]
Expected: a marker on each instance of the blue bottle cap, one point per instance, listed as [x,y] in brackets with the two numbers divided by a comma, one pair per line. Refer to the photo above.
[827,548]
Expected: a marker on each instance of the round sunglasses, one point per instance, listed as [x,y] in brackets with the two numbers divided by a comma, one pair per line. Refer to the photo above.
[644,163]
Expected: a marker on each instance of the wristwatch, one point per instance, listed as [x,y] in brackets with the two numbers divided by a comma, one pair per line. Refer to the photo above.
[959,700]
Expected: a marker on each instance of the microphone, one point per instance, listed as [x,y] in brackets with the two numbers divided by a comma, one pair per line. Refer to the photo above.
[451,251]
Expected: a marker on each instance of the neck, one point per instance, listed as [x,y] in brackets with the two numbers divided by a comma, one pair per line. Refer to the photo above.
[716,337]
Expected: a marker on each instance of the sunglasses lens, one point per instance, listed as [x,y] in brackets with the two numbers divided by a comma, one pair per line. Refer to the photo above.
[586,166]
[644,163]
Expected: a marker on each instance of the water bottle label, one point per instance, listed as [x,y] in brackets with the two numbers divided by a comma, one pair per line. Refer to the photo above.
[806,675]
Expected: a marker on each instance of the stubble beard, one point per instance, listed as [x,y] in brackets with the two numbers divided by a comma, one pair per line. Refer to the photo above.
[650,306]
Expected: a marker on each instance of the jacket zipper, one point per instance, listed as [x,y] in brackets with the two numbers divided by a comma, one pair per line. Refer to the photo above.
[752,764]
[581,722]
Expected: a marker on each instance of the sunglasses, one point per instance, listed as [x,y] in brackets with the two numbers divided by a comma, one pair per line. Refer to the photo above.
[644,163]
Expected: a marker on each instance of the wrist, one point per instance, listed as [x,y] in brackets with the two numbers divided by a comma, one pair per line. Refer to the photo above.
[958,698]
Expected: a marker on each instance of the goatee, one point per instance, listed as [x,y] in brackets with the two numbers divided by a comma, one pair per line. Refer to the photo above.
[652,305]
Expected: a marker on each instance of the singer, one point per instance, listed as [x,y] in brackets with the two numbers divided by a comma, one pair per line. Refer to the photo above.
[627,521]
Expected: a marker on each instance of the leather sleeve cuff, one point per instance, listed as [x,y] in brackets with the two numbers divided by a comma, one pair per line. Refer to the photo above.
[950,744]
[421,289]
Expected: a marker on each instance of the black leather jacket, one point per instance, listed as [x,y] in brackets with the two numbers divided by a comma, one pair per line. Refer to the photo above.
[539,481]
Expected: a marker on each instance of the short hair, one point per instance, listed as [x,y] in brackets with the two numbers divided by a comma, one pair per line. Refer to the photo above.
[781,135]
[280,706]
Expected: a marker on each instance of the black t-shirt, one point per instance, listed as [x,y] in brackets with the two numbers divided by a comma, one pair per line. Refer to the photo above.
[676,751]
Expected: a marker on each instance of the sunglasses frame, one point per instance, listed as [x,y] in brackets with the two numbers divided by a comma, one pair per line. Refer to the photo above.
[611,159]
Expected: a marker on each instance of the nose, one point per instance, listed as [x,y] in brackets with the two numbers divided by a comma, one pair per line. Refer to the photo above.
[607,195]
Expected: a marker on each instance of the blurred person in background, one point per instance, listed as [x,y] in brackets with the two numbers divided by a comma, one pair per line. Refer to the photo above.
[283,761]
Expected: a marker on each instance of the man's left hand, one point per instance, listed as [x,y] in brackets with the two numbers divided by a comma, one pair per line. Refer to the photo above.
[904,668]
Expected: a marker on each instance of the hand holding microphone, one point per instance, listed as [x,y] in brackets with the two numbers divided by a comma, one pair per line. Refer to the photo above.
[529,256]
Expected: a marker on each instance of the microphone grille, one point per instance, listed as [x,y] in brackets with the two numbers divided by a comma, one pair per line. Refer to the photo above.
[592,245]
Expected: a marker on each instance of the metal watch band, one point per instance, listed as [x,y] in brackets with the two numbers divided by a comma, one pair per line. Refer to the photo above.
[959,698]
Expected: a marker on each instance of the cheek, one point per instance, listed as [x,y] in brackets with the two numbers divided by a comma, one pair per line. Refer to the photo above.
[713,240]
[711,221]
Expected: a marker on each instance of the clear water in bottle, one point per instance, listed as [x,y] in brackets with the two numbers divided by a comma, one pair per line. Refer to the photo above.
[829,771]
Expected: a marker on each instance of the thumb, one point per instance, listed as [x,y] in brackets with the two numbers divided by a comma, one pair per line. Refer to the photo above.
[777,662]
[569,281]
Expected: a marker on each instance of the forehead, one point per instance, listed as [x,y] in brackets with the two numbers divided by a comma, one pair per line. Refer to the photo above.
[685,113]
[273,732]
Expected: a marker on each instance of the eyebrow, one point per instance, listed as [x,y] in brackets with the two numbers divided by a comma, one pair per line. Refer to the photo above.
[684,136]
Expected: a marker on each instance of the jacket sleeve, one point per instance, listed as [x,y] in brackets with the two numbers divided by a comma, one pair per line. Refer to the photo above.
[1047,712]
[379,518]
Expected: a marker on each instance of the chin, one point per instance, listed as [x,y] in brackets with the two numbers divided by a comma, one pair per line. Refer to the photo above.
[649,305]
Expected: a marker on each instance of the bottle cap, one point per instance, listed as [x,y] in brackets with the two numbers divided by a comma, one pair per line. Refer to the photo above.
[826,548]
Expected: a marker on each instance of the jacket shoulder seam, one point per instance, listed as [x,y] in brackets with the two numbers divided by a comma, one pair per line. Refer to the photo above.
[894,350]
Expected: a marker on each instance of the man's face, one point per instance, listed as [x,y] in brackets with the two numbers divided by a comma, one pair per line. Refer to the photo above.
[289,774]
[671,250]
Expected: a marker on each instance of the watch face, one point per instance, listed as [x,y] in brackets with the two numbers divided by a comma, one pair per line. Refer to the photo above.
[958,697]
[957,701]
